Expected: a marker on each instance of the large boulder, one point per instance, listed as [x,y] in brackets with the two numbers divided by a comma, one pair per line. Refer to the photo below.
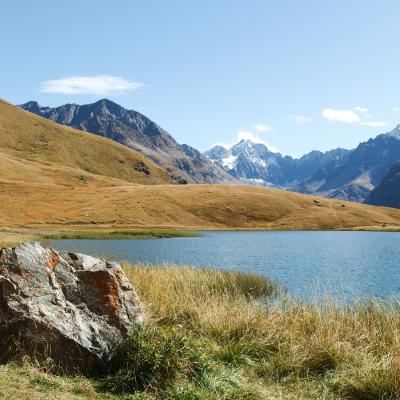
[71,307]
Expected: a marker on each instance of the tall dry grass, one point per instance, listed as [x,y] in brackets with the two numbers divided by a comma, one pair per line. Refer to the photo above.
[223,335]
[315,351]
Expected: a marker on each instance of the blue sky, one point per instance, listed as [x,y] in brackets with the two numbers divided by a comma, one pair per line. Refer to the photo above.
[299,75]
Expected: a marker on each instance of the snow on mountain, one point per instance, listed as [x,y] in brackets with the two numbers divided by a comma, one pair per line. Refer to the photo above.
[254,163]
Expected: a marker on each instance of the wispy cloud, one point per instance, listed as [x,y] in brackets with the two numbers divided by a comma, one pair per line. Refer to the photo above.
[346,116]
[361,109]
[98,85]
[263,128]
[396,109]
[374,123]
[301,119]
[357,115]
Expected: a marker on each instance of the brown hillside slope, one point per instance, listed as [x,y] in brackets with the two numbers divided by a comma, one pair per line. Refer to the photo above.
[56,177]
[175,206]
[33,149]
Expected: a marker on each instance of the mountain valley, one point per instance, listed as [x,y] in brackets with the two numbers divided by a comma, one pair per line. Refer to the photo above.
[338,173]
[55,177]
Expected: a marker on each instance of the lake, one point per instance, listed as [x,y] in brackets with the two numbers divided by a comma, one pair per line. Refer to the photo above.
[345,265]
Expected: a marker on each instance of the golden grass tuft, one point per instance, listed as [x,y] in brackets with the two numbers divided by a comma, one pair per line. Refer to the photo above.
[185,294]
[14,239]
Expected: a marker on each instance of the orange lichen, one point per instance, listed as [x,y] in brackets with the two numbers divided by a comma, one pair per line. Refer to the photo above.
[3,256]
[106,292]
[53,260]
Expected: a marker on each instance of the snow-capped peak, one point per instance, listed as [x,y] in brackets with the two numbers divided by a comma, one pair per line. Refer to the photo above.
[229,162]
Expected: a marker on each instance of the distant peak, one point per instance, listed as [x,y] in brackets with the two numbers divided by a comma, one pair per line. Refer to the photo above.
[32,106]
[219,147]
[247,143]
[395,132]
[106,102]
[31,103]
[107,106]
[244,142]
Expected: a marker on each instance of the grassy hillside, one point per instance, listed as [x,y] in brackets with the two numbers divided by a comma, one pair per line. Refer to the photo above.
[33,149]
[52,176]
[190,206]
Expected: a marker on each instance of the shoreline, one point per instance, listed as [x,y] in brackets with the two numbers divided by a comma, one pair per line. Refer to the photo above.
[13,237]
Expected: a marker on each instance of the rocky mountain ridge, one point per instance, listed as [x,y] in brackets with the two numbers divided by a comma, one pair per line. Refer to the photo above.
[134,130]
[387,193]
[339,173]
[357,173]
[254,162]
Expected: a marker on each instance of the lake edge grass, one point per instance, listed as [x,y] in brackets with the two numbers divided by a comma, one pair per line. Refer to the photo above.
[11,239]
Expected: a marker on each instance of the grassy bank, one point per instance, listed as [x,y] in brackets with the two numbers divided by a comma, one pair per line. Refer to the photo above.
[208,336]
[13,239]
[110,235]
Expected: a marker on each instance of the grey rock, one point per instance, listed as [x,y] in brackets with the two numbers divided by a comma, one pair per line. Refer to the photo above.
[77,306]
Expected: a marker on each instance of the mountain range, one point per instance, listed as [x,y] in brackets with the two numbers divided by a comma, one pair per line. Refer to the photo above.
[53,177]
[339,173]
[358,172]
[254,163]
[134,130]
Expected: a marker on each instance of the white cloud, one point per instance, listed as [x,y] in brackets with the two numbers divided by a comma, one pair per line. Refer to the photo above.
[361,109]
[301,119]
[374,123]
[346,116]
[263,128]
[396,109]
[351,117]
[98,84]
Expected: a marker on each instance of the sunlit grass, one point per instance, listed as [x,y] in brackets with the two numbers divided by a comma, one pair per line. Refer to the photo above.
[316,351]
[223,335]
[14,239]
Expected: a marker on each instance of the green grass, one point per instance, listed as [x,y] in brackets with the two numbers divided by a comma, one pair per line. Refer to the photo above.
[137,234]
[13,239]
[208,336]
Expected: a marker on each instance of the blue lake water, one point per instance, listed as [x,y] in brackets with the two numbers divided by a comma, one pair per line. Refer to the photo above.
[345,265]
